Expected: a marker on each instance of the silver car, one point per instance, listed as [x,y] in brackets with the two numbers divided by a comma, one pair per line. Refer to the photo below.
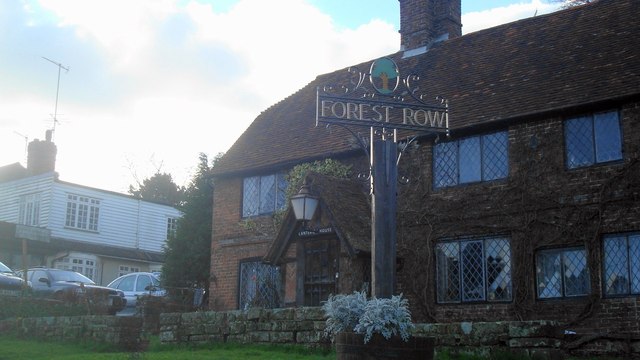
[138,284]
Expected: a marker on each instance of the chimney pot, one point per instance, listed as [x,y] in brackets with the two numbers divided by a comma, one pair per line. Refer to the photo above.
[41,155]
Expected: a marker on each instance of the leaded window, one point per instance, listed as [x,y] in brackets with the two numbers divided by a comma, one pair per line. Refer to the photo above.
[263,194]
[260,285]
[622,264]
[82,212]
[474,269]
[472,159]
[562,273]
[593,139]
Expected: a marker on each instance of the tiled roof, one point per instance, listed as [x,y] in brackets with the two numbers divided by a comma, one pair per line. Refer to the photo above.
[11,172]
[541,65]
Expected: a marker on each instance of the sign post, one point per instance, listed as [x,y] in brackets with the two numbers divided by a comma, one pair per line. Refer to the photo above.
[384,112]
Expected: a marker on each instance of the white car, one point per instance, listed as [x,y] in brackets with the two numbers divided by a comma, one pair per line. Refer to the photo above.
[138,284]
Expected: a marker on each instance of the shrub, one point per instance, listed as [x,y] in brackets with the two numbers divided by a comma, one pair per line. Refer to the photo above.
[354,313]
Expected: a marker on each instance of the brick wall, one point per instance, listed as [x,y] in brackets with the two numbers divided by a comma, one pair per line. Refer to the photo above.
[540,205]
[234,239]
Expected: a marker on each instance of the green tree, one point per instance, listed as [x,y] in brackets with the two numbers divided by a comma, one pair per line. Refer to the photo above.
[188,253]
[159,188]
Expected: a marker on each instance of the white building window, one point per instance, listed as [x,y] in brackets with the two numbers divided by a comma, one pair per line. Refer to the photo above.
[83,264]
[30,210]
[82,212]
[172,227]
[126,269]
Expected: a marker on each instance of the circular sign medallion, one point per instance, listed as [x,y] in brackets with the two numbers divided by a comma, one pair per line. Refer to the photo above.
[384,76]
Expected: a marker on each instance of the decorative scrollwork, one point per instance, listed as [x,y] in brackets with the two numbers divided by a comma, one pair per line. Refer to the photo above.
[414,91]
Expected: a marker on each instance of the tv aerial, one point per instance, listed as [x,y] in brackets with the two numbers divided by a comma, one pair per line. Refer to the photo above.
[55,111]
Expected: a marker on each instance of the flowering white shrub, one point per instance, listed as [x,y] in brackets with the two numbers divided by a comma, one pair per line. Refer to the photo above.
[343,312]
[387,317]
[355,313]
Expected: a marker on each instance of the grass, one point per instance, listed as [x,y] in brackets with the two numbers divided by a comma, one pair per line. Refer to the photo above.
[19,349]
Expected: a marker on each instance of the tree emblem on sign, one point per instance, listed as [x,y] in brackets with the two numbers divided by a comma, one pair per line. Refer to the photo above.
[384,76]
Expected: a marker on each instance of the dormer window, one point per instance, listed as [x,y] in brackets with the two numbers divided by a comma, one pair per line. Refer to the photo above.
[263,195]
[593,139]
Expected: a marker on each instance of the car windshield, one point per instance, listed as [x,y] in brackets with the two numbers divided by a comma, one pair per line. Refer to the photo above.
[5,269]
[70,276]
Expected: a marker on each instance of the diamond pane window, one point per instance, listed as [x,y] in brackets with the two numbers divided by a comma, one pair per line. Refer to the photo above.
[495,159]
[472,159]
[562,273]
[472,270]
[260,285]
[593,139]
[448,272]
[622,264]
[267,194]
[445,164]
[263,194]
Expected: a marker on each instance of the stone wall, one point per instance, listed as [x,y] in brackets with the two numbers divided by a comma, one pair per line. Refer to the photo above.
[302,325]
[124,333]
[305,325]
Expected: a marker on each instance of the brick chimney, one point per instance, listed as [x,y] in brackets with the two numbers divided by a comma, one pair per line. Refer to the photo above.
[424,22]
[41,156]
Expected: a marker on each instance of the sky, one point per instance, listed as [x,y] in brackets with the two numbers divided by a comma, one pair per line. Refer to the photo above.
[135,87]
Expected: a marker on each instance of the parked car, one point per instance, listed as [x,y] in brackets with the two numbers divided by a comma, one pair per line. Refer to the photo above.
[137,284]
[10,282]
[69,285]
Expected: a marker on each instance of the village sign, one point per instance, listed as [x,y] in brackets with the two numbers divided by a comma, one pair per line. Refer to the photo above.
[386,104]
[382,104]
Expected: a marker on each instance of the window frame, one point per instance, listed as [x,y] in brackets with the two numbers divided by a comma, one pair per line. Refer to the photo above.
[82,212]
[257,202]
[486,284]
[29,212]
[562,251]
[172,227]
[242,302]
[629,272]
[84,264]
[594,142]
[127,269]
[458,145]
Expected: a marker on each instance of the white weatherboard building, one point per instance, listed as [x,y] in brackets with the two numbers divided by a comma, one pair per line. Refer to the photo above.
[102,234]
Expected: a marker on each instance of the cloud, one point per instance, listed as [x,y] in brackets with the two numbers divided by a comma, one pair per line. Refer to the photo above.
[474,21]
[152,83]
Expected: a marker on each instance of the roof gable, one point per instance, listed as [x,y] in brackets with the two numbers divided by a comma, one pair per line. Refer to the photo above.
[346,209]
